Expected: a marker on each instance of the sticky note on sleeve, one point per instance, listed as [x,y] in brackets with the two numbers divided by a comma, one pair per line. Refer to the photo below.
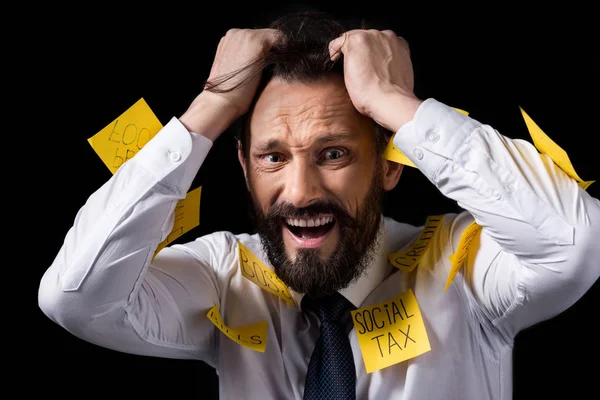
[392,153]
[187,217]
[120,140]
[547,146]
[458,258]
[252,336]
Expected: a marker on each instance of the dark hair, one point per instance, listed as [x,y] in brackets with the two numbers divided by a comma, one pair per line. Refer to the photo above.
[302,57]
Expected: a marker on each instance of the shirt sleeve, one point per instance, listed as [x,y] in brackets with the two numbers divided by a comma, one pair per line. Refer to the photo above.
[537,251]
[105,285]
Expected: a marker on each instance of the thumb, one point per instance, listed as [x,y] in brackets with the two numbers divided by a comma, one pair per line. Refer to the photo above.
[336,46]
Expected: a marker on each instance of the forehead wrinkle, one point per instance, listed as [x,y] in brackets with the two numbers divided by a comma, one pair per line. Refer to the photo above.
[283,134]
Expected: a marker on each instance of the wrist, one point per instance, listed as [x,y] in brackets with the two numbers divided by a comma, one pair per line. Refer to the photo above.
[398,109]
[209,115]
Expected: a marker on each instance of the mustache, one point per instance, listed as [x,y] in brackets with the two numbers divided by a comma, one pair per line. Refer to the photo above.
[288,210]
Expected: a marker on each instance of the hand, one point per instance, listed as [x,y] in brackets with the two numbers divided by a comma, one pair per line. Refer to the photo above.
[236,50]
[378,74]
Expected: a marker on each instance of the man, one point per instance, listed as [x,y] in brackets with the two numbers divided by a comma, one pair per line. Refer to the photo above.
[259,307]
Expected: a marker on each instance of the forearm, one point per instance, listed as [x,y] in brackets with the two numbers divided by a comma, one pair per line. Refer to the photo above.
[209,115]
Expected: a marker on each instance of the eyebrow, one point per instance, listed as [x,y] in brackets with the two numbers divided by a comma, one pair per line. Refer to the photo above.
[329,137]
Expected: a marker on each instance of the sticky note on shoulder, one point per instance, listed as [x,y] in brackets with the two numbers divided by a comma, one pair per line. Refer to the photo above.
[547,146]
[391,331]
[120,140]
[392,153]
[408,259]
[257,272]
[459,256]
[252,336]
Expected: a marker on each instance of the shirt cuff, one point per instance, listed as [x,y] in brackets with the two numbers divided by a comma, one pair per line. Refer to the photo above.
[174,155]
[433,135]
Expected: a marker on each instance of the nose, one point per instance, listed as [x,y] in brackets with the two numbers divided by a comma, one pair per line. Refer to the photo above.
[302,183]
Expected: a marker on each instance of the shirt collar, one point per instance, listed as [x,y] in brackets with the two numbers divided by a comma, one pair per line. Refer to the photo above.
[373,275]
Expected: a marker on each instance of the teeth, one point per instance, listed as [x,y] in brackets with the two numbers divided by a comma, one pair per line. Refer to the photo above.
[308,222]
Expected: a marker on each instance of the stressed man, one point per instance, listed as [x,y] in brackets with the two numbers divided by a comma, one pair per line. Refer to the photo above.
[312,306]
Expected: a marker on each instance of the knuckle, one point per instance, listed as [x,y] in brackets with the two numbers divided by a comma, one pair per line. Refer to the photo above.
[231,32]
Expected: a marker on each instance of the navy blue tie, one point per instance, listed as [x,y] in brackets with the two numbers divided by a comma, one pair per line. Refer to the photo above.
[331,373]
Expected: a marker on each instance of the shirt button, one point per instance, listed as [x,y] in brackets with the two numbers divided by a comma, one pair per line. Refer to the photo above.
[418,153]
[433,136]
[175,156]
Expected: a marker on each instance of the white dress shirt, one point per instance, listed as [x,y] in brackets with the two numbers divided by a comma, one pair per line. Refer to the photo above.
[536,255]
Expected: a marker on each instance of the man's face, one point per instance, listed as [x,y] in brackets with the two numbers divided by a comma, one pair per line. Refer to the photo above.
[316,182]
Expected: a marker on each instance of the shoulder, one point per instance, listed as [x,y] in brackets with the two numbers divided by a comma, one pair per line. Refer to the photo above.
[221,248]
[444,230]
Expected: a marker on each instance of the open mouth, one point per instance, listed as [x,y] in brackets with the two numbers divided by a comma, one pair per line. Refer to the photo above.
[310,228]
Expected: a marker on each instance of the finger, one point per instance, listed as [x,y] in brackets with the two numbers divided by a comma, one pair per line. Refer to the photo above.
[335,46]
[274,36]
[339,45]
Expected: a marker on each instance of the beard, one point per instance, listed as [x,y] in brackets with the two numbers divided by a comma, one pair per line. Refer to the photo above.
[309,273]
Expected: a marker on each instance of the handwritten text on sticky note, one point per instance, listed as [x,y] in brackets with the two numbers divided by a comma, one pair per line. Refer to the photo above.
[409,258]
[547,146]
[187,217]
[251,336]
[459,256]
[254,270]
[391,331]
[120,140]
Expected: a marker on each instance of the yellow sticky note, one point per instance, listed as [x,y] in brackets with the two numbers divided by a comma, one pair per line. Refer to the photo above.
[547,146]
[409,258]
[392,153]
[251,336]
[459,256]
[391,331]
[187,217]
[255,270]
[120,140]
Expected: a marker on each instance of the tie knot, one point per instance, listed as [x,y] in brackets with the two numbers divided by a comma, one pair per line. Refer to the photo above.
[330,308]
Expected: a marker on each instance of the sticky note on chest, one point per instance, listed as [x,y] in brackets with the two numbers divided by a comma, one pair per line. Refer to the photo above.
[254,270]
[391,331]
[252,336]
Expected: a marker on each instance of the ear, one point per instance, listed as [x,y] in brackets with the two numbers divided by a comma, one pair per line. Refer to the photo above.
[242,161]
[391,174]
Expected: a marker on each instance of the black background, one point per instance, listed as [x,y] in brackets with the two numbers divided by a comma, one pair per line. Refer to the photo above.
[90,64]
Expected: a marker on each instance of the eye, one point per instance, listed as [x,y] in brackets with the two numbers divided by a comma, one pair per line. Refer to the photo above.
[273,158]
[333,154]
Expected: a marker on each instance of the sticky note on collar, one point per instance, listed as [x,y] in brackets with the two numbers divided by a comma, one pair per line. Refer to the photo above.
[391,331]
[255,271]
[120,140]
[392,153]
[252,336]
[187,217]
[547,146]
[460,254]
[409,258]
